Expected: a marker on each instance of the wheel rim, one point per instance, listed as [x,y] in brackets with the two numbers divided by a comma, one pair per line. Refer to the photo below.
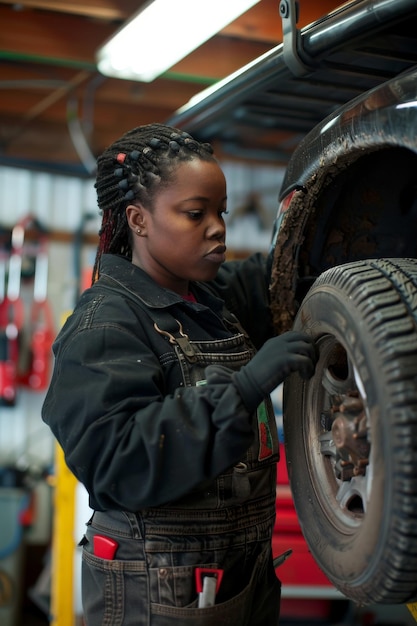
[338,445]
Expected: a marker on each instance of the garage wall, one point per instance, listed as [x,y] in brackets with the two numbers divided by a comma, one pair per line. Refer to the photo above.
[59,203]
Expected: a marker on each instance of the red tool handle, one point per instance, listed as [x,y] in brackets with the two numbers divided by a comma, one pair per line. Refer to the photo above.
[104,547]
[201,572]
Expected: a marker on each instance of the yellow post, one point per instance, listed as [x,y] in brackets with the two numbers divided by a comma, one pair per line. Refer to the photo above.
[412,607]
[63,544]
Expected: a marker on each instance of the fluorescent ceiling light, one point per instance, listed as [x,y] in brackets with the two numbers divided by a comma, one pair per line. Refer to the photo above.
[163,33]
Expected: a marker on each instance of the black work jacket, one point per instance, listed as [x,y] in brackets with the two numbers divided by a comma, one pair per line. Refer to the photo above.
[115,393]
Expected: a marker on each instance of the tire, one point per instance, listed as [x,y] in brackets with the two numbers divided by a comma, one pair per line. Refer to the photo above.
[351,431]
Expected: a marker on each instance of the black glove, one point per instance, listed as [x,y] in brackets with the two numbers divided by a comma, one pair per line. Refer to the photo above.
[290,352]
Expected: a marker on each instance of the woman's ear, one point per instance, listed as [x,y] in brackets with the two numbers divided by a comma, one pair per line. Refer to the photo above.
[135,215]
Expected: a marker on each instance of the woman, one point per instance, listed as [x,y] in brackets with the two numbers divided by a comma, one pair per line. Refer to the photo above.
[160,400]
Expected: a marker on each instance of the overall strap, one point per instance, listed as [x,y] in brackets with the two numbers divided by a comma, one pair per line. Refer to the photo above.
[163,322]
[167,325]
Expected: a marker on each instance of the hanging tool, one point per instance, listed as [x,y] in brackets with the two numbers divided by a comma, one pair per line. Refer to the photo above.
[11,320]
[41,325]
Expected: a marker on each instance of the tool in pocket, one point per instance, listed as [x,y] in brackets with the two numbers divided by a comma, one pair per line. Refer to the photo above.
[208,582]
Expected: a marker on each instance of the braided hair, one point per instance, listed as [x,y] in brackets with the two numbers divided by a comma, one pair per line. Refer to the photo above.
[134,168]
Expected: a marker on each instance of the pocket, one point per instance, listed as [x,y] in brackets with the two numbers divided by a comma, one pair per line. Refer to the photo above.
[174,586]
[114,590]
[236,611]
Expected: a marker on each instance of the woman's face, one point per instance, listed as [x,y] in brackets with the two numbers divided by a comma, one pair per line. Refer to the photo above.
[182,237]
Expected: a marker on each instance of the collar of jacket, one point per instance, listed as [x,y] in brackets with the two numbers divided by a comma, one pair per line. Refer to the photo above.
[139,284]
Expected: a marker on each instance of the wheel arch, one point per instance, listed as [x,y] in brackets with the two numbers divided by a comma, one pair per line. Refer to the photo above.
[359,202]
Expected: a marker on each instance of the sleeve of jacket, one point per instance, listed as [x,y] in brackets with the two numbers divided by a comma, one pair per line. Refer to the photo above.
[128,442]
[244,287]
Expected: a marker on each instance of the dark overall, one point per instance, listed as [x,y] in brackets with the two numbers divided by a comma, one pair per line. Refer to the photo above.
[225,524]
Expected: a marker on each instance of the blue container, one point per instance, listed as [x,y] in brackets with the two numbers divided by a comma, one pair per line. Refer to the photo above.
[13,502]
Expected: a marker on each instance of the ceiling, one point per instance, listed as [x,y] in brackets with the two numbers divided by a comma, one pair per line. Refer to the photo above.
[263,111]
[57,112]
